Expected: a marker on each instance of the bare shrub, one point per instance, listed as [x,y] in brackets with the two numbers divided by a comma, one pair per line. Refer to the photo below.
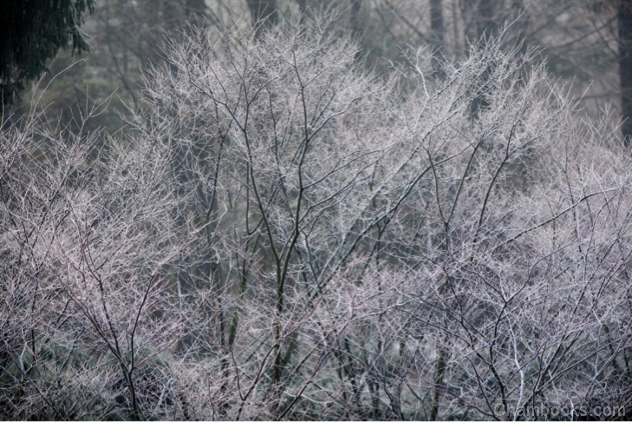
[285,235]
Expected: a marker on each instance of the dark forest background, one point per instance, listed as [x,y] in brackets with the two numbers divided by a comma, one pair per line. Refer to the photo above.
[586,43]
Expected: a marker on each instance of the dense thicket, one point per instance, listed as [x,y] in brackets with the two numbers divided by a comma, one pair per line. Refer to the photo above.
[282,234]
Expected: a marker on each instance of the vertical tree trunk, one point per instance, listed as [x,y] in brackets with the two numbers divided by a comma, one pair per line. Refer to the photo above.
[437,28]
[437,25]
[356,19]
[356,23]
[264,14]
[303,9]
[195,11]
[487,27]
[438,382]
[624,35]
[486,22]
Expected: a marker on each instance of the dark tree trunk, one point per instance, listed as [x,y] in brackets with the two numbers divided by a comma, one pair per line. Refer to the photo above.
[264,14]
[356,23]
[486,23]
[303,9]
[196,11]
[356,19]
[487,28]
[437,28]
[624,35]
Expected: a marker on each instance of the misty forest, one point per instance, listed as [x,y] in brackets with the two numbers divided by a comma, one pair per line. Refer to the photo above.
[315,210]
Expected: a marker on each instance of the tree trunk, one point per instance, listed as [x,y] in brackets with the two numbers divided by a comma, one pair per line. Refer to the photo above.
[624,38]
[356,19]
[437,28]
[196,11]
[303,9]
[487,28]
[264,14]
[486,22]
[438,382]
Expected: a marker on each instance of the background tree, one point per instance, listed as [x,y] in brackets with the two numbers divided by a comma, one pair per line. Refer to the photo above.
[263,13]
[578,38]
[437,27]
[624,55]
[32,33]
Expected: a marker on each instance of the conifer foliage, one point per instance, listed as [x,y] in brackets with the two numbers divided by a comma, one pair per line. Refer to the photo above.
[32,33]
